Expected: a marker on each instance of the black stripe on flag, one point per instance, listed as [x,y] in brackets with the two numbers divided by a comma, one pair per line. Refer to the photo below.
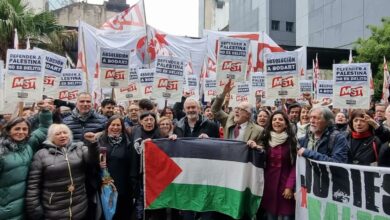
[211,148]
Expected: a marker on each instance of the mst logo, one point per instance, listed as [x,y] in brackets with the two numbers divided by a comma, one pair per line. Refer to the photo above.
[282,82]
[168,84]
[69,95]
[130,88]
[113,74]
[232,66]
[24,83]
[351,91]
[49,80]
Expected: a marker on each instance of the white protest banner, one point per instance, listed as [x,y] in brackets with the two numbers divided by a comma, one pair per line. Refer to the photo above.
[242,94]
[168,83]
[326,190]
[24,76]
[351,85]
[54,64]
[146,79]
[306,86]
[191,86]
[72,82]
[325,90]
[257,83]
[282,75]
[232,60]
[1,86]
[209,89]
[133,90]
[114,67]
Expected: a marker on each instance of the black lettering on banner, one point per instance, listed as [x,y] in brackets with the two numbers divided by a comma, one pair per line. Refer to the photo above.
[356,188]
[386,198]
[320,180]
[371,189]
[309,176]
[340,179]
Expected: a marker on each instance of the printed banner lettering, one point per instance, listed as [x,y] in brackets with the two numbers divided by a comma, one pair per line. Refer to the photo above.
[114,71]
[325,89]
[71,82]
[210,89]
[146,79]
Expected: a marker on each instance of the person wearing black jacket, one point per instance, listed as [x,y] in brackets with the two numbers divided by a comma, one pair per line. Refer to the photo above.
[120,158]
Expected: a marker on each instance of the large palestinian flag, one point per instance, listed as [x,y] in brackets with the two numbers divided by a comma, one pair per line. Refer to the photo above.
[203,175]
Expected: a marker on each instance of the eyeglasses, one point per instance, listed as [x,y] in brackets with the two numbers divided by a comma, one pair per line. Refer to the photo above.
[164,124]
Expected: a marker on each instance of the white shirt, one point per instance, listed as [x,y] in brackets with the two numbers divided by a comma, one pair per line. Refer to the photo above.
[240,136]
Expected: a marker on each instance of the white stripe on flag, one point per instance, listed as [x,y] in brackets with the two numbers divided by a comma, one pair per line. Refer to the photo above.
[221,173]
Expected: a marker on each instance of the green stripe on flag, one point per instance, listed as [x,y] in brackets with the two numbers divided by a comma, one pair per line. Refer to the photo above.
[208,198]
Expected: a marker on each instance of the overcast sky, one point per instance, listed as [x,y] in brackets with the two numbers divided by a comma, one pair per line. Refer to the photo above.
[177,17]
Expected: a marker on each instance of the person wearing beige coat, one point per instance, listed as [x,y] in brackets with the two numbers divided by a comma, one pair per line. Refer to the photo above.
[237,125]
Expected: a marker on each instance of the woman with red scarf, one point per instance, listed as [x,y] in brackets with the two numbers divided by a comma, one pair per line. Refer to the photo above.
[364,144]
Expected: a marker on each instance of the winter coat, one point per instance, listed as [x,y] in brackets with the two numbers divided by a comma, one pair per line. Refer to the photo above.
[201,126]
[56,183]
[14,166]
[364,151]
[323,151]
[94,122]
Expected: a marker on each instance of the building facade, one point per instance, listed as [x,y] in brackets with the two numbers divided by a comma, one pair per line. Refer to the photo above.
[337,23]
[213,15]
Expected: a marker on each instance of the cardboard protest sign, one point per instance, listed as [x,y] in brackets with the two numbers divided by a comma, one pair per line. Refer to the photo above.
[114,68]
[168,79]
[351,85]
[282,75]
[133,90]
[209,89]
[242,94]
[71,83]
[54,64]
[325,90]
[191,86]
[232,60]
[24,76]
[257,83]
[326,190]
[306,86]
[146,79]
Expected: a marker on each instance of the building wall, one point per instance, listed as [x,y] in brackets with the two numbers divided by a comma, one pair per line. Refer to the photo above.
[257,15]
[94,15]
[211,17]
[337,23]
[36,5]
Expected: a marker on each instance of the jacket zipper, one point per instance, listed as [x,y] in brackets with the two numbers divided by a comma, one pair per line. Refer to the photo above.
[51,196]
[71,186]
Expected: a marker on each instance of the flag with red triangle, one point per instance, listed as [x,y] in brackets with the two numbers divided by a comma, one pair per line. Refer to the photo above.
[202,175]
[130,19]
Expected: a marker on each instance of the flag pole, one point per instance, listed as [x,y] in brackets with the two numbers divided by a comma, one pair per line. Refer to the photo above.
[146,33]
[85,60]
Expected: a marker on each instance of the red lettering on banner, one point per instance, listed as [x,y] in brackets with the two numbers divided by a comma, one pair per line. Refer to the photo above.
[241,98]
[24,83]
[113,74]
[69,95]
[130,88]
[148,89]
[212,92]
[49,80]
[162,83]
[173,85]
[282,82]
[232,66]
[350,91]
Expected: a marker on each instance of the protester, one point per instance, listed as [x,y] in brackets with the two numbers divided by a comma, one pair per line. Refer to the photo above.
[237,125]
[132,116]
[323,142]
[193,124]
[120,158]
[107,107]
[56,183]
[304,121]
[167,127]
[168,112]
[17,147]
[83,118]
[380,109]
[341,122]
[280,146]
[262,117]
[386,123]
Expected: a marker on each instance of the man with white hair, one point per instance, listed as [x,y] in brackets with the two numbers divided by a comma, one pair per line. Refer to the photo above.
[237,125]
[194,124]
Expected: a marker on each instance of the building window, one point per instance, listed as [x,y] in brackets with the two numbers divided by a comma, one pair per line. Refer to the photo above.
[289,26]
[275,25]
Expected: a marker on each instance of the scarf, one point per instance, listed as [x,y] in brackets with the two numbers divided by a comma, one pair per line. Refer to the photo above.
[277,138]
[7,145]
[115,140]
[356,135]
[302,129]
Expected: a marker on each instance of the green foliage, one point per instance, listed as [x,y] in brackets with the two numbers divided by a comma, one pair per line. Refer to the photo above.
[373,49]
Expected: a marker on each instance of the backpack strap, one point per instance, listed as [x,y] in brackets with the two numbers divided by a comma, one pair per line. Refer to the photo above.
[331,140]
[375,149]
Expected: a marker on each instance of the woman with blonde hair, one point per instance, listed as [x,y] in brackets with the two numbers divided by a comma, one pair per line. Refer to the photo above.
[56,184]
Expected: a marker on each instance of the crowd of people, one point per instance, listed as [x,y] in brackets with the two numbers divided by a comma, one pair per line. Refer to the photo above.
[51,156]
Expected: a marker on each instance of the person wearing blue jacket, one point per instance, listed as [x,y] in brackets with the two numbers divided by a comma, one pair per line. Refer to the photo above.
[323,142]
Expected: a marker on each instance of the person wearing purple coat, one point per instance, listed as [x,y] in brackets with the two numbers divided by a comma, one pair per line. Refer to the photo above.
[280,145]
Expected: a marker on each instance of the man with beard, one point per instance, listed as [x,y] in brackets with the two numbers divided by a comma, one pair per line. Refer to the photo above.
[108,106]
[194,124]
[323,142]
